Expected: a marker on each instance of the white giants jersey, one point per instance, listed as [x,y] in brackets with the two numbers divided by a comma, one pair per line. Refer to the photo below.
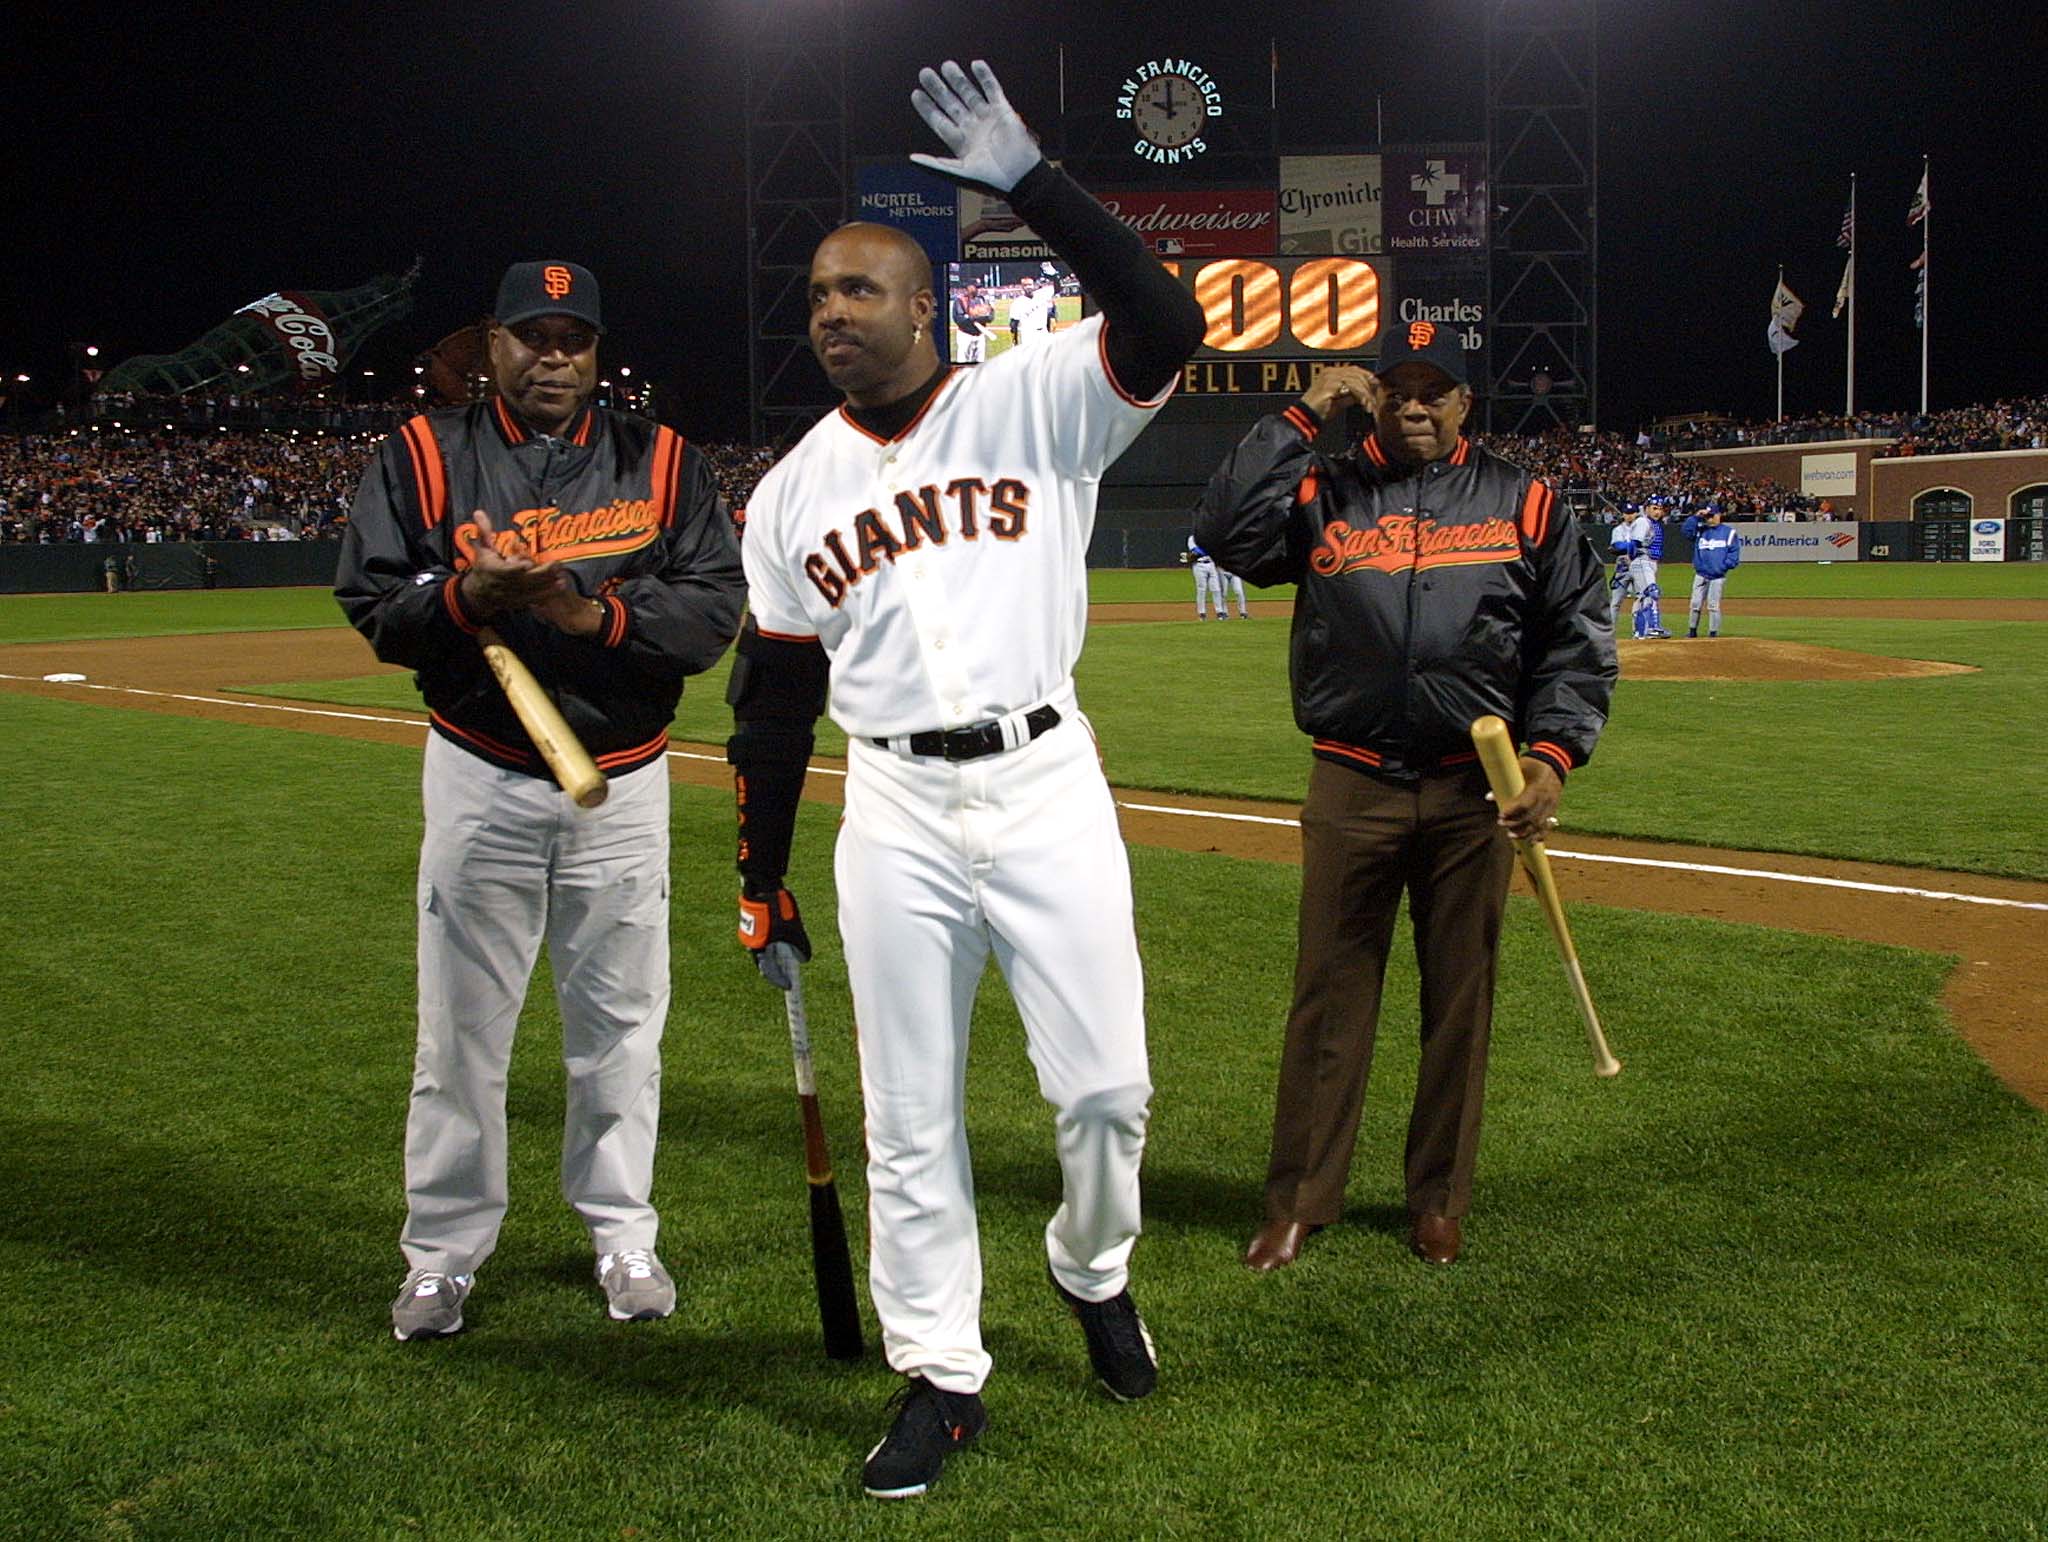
[945,570]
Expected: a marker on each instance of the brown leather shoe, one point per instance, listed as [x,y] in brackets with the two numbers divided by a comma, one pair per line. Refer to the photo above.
[1436,1239]
[1277,1244]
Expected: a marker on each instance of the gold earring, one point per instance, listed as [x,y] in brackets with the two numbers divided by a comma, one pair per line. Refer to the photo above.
[917,334]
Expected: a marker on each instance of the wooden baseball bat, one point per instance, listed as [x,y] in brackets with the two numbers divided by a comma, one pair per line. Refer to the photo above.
[831,1261]
[1504,775]
[574,770]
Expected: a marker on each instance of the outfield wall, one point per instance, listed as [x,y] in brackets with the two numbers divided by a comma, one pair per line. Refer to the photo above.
[80,566]
[1126,538]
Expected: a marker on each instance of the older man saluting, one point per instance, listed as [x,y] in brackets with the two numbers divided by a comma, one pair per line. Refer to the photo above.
[1437,583]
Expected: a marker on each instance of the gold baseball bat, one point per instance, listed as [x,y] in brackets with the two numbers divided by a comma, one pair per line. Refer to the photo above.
[1504,775]
[570,762]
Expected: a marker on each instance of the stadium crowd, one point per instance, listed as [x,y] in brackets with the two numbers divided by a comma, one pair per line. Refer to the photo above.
[2020,424]
[154,483]
[1603,474]
[143,484]
[159,481]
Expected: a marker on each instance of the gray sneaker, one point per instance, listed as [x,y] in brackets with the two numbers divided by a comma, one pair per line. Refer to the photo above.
[429,1305]
[636,1287]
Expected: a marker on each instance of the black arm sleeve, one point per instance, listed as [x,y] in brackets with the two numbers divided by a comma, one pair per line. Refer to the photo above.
[1249,516]
[776,694]
[1151,323]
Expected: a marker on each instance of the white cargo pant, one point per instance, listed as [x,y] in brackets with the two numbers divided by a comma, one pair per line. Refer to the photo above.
[506,860]
[939,865]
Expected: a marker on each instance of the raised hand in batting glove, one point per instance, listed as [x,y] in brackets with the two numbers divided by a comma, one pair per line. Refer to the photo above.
[990,143]
[769,920]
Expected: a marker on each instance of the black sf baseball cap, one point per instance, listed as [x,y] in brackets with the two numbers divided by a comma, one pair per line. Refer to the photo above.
[1424,342]
[531,289]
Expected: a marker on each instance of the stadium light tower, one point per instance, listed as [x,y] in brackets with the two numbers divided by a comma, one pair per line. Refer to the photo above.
[797,193]
[1542,122]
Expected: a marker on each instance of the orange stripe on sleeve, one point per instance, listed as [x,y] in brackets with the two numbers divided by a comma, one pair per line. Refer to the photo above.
[668,455]
[436,495]
[1534,520]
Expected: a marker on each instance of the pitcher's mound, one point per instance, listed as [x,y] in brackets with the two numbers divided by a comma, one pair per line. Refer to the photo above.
[1760,658]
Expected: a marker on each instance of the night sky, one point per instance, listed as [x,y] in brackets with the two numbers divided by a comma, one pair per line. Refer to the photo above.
[172,163]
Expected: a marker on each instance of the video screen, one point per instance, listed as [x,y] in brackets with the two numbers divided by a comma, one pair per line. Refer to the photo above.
[993,306]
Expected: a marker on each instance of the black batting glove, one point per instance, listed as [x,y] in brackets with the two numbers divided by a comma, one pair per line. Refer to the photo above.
[773,918]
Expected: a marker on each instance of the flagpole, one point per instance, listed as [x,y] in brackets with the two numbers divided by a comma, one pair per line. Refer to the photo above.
[1926,245]
[1780,356]
[1849,391]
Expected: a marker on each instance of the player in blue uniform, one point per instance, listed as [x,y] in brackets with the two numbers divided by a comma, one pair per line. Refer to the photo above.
[1716,552]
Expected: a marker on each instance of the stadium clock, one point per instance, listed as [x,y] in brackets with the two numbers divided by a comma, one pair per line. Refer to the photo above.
[1169,103]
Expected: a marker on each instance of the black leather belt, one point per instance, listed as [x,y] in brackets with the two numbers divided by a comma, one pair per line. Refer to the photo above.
[976,739]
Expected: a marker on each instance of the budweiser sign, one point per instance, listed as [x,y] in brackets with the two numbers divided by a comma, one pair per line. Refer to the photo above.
[303,331]
[1230,222]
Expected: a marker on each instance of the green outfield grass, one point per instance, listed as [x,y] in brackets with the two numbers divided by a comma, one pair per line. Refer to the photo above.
[1784,1277]
[1913,771]
[56,617]
[1758,580]
[159,613]
[1910,771]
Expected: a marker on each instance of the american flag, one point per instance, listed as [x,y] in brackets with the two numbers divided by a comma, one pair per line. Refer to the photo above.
[1848,236]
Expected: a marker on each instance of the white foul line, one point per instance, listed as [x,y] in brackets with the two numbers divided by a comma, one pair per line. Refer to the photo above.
[1679,867]
[1142,808]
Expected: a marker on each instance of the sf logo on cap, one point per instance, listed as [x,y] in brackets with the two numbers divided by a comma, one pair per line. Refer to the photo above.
[1420,333]
[555,279]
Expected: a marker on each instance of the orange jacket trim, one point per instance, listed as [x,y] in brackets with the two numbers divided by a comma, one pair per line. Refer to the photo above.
[451,601]
[1348,751]
[620,760]
[485,742]
[427,471]
[668,461]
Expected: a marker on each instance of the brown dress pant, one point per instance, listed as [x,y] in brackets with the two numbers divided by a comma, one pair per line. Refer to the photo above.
[1364,839]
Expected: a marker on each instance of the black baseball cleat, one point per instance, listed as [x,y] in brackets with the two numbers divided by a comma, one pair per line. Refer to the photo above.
[1119,1345]
[931,1424]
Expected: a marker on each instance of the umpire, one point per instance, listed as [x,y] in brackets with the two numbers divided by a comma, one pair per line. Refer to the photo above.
[1438,583]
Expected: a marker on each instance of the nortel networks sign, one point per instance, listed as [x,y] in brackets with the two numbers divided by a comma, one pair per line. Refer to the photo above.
[1832,540]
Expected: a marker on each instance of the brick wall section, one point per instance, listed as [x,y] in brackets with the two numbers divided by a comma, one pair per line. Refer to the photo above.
[1990,480]
[1780,463]
[1887,486]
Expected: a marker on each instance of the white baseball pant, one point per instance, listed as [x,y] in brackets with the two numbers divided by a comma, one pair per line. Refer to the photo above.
[507,860]
[1706,591]
[970,348]
[939,866]
[1208,584]
[1231,584]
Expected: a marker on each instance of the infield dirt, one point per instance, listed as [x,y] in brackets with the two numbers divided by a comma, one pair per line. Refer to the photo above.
[1997,996]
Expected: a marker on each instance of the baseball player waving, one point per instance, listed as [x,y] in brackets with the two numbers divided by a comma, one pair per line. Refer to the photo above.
[929,539]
